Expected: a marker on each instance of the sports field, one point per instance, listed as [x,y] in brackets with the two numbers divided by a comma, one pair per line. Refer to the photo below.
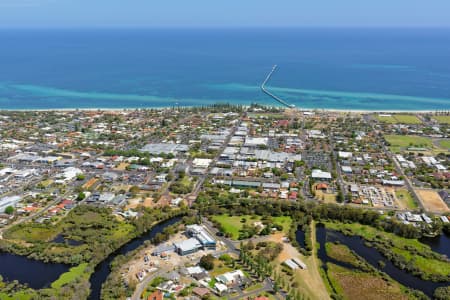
[442,119]
[399,119]
[398,142]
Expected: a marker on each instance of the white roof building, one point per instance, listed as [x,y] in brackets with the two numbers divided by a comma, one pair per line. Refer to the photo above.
[202,163]
[343,154]
[319,174]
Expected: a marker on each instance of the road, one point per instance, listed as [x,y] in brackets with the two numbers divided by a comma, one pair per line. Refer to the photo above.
[140,288]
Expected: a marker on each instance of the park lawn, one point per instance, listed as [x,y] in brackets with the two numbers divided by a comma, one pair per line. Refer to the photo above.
[406,199]
[442,119]
[285,221]
[386,119]
[405,141]
[70,276]
[232,224]
[407,119]
[356,285]
[399,245]
[445,143]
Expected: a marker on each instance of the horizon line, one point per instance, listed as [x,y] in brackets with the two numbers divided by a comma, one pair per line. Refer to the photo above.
[215,27]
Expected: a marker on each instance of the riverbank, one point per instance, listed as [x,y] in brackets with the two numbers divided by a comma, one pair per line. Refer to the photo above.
[44,283]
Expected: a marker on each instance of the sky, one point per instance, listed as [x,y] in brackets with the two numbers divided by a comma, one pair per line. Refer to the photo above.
[224,13]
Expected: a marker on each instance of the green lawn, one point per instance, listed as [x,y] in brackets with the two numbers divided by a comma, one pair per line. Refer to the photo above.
[445,143]
[442,119]
[233,224]
[407,119]
[399,119]
[70,276]
[405,197]
[398,142]
[387,119]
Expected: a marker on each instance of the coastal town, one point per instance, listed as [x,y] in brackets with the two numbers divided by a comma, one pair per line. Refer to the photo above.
[245,198]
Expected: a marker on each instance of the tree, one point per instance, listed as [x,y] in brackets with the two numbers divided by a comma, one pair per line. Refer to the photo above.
[134,190]
[9,210]
[207,262]
[81,196]
[81,177]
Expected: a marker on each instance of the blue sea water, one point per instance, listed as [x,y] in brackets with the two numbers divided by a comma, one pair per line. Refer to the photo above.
[359,69]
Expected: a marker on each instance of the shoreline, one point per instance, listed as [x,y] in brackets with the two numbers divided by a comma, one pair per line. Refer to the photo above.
[299,109]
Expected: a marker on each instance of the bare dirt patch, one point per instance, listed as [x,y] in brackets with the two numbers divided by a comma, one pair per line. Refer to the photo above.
[310,281]
[432,201]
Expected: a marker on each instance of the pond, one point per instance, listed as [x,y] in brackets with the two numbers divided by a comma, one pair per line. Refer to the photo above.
[60,239]
[372,256]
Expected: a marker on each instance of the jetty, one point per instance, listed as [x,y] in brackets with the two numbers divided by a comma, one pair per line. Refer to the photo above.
[263,88]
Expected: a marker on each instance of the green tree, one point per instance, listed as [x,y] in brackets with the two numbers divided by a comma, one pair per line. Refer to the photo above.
[207,262]
[9,210]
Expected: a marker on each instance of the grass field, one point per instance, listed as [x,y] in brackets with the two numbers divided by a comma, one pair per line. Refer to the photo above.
[399,245]
[405,199]
[356,285]
[399,119]
[70,276]
[442,119]
[445,143]
[398,142]
[407,119]
[387,119]
[233,224]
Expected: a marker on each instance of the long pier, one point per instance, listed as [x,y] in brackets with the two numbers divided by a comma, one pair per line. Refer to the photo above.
[263,88]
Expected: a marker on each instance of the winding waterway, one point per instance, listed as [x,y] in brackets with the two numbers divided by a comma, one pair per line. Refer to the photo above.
[373,257]
[102,270]
[37,274]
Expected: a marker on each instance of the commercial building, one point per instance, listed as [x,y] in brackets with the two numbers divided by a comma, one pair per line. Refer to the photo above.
[199,238]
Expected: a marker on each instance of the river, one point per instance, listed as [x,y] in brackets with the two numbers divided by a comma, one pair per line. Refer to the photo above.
[37,274]
[372,256]
[102,270]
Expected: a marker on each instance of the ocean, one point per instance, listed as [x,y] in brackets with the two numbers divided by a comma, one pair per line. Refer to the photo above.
[348,69]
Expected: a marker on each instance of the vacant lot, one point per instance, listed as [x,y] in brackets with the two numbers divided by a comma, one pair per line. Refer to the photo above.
[432,201]
[310,283]
[442,119]
[405,200]
[398,142]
